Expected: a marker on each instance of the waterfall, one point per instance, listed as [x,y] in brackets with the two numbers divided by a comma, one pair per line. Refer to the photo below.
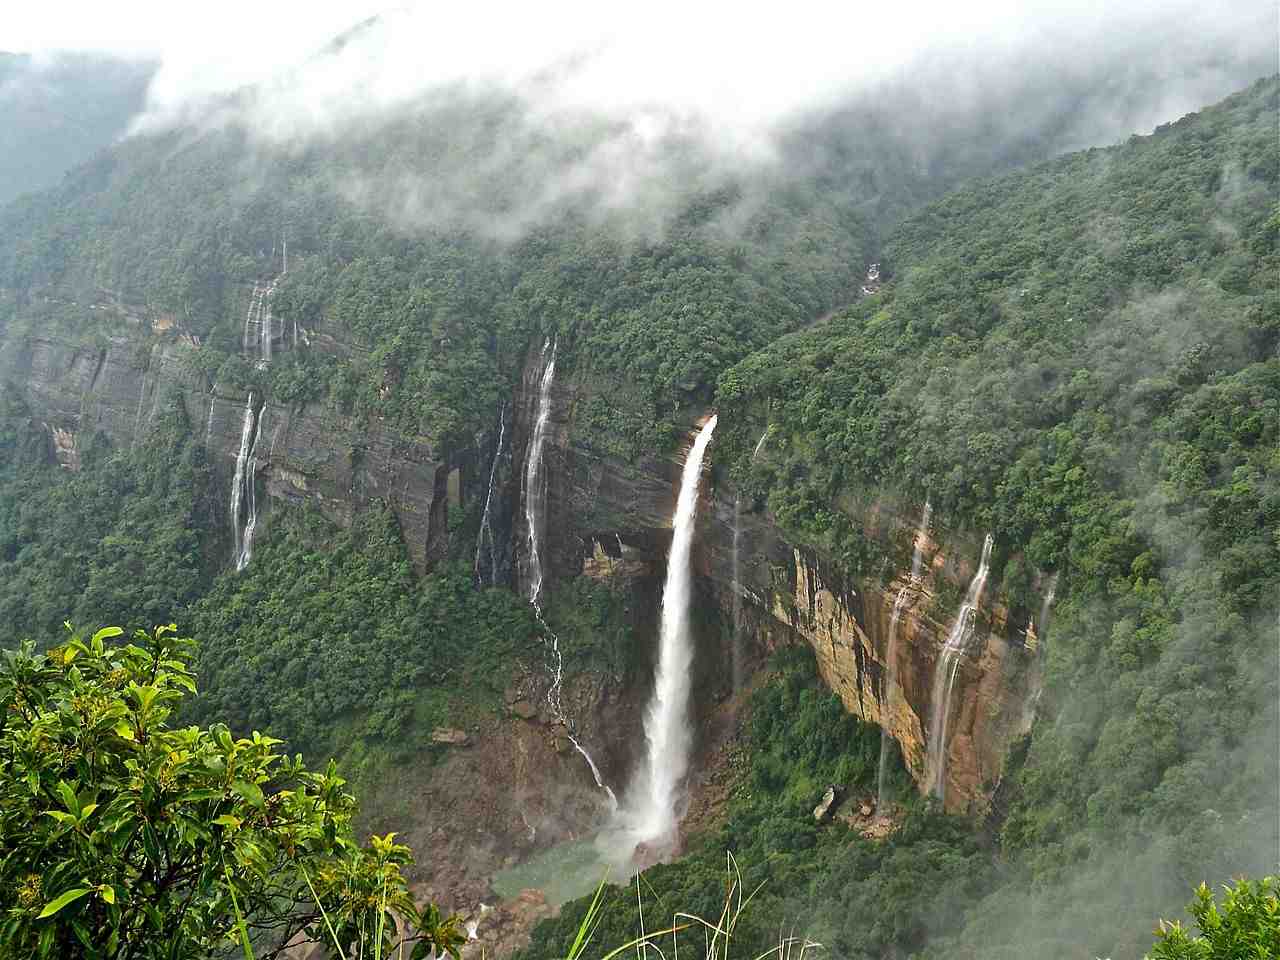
[264,327]
[535,508]
[486,524]
[891,659]
[595,771]
[208,427]
[891,655]
[738,665]
[666,722]
[237,481]
[944,675]
[917,554]
[250,484]
[535,491]
[254,299]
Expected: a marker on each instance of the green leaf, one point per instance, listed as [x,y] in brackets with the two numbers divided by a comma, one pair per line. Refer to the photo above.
[56,904]
[69,798]
[251,792]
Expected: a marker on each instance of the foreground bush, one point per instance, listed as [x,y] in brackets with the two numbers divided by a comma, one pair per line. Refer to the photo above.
[121,837]
[1246,927]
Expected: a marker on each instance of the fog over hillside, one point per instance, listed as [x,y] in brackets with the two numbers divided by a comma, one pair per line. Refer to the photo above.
[835,441]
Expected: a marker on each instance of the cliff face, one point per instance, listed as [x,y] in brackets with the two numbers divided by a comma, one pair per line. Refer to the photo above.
[306,454]
[608,514]
[606,518]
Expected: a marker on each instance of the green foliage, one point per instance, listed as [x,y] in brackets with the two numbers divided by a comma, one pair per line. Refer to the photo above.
[1246,927]
[125,837]
[1080,358]
[127,540]
[329,636]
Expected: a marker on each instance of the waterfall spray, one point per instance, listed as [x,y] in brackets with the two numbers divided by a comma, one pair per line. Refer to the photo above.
[944,676]
[666,722]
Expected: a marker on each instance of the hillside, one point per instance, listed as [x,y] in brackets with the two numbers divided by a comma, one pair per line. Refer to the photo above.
[405,462]
[1081,359]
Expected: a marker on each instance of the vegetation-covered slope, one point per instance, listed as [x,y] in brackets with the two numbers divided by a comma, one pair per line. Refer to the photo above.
[1081,358]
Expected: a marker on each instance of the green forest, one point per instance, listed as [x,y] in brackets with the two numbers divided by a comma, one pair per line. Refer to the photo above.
[1079,355]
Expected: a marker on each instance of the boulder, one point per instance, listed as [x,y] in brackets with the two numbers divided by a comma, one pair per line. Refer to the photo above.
[822,812]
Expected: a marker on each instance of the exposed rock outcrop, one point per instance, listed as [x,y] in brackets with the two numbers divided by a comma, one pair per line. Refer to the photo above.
[337,463]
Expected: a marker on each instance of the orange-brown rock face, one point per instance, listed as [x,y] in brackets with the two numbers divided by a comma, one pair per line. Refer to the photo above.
[849,632]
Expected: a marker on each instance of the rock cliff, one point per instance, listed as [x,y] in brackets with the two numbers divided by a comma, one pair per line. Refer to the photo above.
[312,454]
[607,517]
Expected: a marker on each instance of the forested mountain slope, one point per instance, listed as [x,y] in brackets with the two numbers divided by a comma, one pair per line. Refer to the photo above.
[1080,358]
[1083,360]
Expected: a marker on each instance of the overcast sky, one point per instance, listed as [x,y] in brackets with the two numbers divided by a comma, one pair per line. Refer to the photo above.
[726,59]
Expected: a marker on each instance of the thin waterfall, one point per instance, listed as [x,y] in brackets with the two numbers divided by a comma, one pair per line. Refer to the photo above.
[535,506]
[944,675]
[666,722]
[486,523]
[254,300]
[251,486]
[208,427]
[891,663]
[891,656]
[917,554]
[264,327]
[237,481]
[739,667]
[1042,624]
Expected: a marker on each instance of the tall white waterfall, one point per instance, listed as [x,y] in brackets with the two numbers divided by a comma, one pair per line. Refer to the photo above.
[535,488]
[251,497]
[891,654]
[237,481]
[944,675]
[535,510]
[666,722]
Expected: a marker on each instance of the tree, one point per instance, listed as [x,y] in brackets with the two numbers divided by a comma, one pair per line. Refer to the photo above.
[125,838]
[1247,927]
